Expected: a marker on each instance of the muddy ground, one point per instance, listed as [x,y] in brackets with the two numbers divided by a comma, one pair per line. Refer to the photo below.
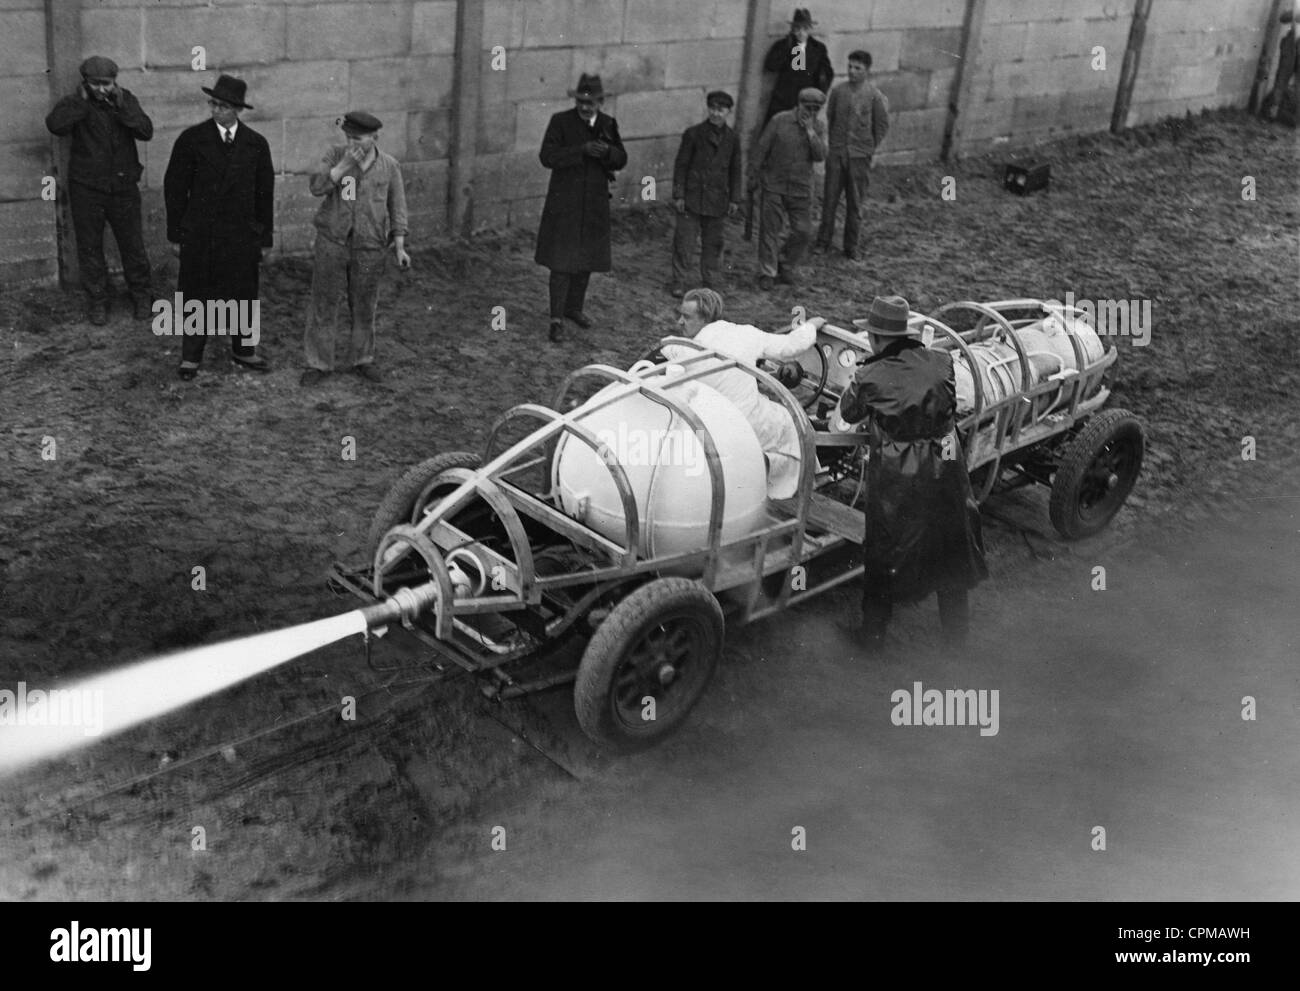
[1120,708]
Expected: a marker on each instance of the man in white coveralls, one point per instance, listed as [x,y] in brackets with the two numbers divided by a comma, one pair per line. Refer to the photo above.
[698,317]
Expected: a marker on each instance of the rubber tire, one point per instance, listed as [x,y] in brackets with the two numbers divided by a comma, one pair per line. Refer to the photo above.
[1101,430]
[400,500]
[634,616]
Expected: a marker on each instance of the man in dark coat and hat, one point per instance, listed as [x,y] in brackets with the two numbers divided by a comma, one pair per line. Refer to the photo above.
[105,121]
[922,521]
[799,61]
[220,195]
[583,150]
[707,189]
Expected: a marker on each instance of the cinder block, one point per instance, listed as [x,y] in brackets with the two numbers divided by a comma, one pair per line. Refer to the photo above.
[510,175]
[553,23]
[643,115]
[306,140]
[526,213]
[229,37]
[940,91]
[27,101]
[1002,43]
[652,157]
[1041,112]
[533,75]
[119,34]
[905,90]
[155,155]
[1049,39]
[433,28]
[668,20]
[503,24]
[23,32]
[1087,111]
[495,128]
[349,30]
[981,122]
[703,63]
[729,21]
[930,48]
[885,48]
[29,227]
[172,98]
[917,130]
[887,14]
[625,68]
[426,194]
[413,83]
[532,116]
[23,168]
[22,5]
[1012,79]
[297,89]
[428,135]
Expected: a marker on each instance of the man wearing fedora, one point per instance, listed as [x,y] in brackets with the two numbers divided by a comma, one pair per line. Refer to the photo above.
[583,150]
[922,522]
[219,191]
[799,61]
[105,121]
[782,167]
[364,211]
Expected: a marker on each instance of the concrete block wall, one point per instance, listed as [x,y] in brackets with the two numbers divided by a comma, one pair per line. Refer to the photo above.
[307,61]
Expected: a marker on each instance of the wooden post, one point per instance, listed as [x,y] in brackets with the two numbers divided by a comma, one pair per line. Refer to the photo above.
[1137,34]
[972,34]
[1271,32]
[63,57]
[749,110]
[464,122]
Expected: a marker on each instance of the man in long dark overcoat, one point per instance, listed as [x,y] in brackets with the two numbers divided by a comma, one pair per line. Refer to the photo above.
[922,521]
[707,189]
[583,150]
[798,61]
[220,195]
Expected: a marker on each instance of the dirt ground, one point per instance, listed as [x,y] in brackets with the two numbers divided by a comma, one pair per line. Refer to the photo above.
[1120,708]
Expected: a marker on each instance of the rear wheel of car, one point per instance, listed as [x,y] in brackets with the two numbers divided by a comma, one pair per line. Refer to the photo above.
[648,664]
[400,504]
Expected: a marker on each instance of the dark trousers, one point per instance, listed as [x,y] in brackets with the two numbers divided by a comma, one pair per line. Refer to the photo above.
[783,213]
[878,608]
[219,268]
[850,176]
[568,292]
[692,228]
[91,209]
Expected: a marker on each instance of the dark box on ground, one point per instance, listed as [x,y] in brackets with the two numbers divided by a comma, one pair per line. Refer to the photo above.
[1026,178]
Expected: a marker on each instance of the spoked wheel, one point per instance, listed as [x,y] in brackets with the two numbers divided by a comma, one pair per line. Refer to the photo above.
[406,501]
[1097,472]
[648,664]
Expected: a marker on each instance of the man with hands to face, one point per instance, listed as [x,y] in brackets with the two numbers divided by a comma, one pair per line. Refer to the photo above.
[363,212]
[105,121]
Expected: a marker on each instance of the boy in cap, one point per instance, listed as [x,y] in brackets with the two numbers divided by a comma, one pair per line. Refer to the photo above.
[706,191]
[783,167]
[364,211]
[104,169]
[922,522]
[857,118]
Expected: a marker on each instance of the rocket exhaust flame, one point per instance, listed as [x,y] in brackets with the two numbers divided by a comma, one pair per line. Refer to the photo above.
[148,689]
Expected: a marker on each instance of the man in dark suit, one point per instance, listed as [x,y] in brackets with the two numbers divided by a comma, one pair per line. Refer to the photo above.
[799,61]
[706,191]
[105,121]
[220,196]
[922,522]
[583,150]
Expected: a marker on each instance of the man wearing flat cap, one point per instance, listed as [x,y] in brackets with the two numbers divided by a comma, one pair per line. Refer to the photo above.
[922,522]
[105,121]
[220,195]
[707,189]
[782,168]
[363,212]
[583,150]
[799,61]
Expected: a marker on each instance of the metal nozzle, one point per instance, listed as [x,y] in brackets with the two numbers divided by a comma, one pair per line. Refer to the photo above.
[404,605]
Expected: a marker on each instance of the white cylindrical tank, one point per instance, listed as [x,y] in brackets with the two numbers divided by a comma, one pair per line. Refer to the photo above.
[667,469]
[1046,342]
